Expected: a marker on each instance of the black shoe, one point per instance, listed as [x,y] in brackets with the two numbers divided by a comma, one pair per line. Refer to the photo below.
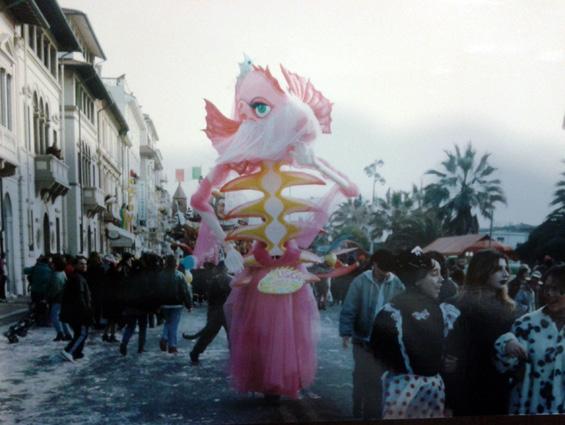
[105,338]
[67,338]
[272,399]
[123,349]
[78,356]
[59,337]
[194,357]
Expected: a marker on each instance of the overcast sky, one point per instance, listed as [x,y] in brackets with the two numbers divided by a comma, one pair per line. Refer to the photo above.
[408,80]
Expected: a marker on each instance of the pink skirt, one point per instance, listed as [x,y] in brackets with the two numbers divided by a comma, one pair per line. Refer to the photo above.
[273,339]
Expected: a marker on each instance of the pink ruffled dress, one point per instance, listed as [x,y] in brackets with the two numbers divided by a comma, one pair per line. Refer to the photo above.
[273,337]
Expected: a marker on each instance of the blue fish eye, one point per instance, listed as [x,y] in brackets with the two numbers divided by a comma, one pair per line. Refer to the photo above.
[261,109]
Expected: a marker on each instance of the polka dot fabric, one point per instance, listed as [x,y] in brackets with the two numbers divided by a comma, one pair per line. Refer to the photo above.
[413,396]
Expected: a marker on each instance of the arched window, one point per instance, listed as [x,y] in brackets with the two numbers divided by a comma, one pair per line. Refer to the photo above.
[42,146]
[47,126]
[36,141]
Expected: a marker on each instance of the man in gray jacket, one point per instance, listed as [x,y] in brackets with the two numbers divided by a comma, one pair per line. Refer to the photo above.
[367,294]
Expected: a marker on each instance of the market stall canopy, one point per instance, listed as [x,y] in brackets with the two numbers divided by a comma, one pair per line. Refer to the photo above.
[457,245]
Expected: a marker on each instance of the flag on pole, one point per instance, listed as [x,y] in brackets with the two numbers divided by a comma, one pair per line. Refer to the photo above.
[179,175]
[196,173]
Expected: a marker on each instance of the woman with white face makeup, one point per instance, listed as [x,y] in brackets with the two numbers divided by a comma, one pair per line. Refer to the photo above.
[474,386]
[409,337]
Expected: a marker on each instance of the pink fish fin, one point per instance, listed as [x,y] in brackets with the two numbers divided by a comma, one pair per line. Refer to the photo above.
[269,77]
[218,126]
[305,90]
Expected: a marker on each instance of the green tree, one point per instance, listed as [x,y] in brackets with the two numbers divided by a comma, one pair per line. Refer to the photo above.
[463,188]
[410,224]
[371,171]
[358,217]
[559,197]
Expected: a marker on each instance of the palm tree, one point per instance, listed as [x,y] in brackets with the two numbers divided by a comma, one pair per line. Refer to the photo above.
[463,188]
[559,198]
[409,223]
[356,216]
[371,171]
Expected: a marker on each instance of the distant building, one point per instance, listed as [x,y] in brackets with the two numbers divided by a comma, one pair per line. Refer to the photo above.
[511,235]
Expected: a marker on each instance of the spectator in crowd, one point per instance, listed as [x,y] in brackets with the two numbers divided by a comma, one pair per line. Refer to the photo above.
[76,310]
[408,339]
[475,387]
[367,294]
[527,297]
[449,288]
[95,278]
[55,298]
[39,277]
[456,269]
[521,279]
[3,277]
[534,351]
[178,293]
[111,305]
[140,299]
[217,294]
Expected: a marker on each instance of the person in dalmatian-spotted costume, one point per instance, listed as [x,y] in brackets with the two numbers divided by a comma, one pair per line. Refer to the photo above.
[409,337]
[534,350]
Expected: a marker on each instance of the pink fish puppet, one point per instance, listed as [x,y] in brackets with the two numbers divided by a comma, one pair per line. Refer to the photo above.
[266,147]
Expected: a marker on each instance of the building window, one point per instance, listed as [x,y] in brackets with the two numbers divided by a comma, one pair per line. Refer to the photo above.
[30,229]
[84,102]
[30,36]
[5,99]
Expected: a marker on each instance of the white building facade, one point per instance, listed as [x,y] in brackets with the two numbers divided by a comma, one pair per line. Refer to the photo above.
[70,166]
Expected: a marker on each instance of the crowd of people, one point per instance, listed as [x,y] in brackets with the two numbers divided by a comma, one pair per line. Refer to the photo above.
[430,337]
[121,293]
[423,351]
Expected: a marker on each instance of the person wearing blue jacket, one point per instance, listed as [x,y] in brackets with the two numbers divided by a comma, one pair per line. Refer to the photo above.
[367,295]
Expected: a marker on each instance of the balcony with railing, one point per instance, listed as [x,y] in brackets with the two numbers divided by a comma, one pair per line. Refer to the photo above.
[93,200]
[51,176]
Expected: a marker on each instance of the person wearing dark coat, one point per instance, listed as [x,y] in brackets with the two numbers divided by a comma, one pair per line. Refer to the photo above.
[95,277]
[176,294]
[217,293]
[112,306]
[408,339]
[140,300]
[76,310]
[474,386]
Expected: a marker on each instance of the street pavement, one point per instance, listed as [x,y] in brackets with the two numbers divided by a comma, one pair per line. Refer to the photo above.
[38,387]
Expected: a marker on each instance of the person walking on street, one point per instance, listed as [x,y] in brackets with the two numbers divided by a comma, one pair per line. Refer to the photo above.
[367,295]
[76,310]
[39,277]
[140,300]
[55,298]
[178,294]
[217,294]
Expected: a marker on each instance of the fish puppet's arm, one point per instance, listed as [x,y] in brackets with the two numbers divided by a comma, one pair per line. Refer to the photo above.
[304,156]
[199,201]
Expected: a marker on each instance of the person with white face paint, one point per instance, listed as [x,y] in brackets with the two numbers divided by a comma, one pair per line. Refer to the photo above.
[408,338]
[474,387]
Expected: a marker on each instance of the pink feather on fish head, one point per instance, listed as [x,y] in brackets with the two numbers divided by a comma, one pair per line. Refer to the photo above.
[268,122]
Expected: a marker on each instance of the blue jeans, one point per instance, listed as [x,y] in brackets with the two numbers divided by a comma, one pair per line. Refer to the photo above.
[171,326]
[131,321]
[60,327]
